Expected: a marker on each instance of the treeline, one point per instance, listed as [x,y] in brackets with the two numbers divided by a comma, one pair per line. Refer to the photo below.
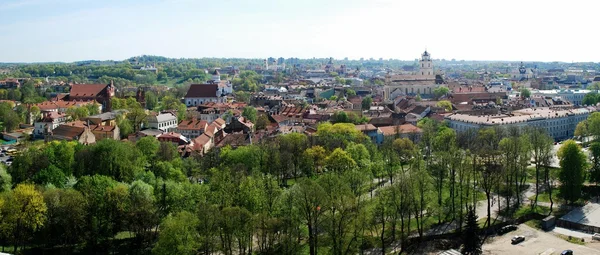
[334,192]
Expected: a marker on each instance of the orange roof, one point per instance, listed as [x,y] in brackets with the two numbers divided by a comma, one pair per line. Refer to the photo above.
[219,122]
[193,124]
[402,129]
[87,90]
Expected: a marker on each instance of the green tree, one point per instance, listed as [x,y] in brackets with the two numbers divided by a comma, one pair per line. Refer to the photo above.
[571,176]
[178,234]
[339,161]
[142,215]
[590,98]
[151,100]
[5,180]
[594,174]
[137,118]
[440,91]
[308,198]
[366,103]
[262,122]
[77,113]
[418,98]
[581,129]
[105,207]
[11,121]
[445,104]
[594,86]
[242,96]
[66,224]
[350,92]
[250,113]
[541,145]
[148,146]
[525,93]
[25,213]
[471,239]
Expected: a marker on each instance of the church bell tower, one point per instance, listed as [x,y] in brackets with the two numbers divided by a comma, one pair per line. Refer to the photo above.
[425,65]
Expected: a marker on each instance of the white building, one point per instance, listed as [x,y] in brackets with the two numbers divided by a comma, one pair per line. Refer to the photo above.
[203,93]
[560,124]
[573,96]
[163,121]
[49,122]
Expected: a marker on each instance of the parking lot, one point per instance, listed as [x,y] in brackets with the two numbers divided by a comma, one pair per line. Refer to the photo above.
[536,242]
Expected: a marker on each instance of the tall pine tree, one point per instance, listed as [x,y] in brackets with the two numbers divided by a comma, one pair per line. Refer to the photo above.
[471,240]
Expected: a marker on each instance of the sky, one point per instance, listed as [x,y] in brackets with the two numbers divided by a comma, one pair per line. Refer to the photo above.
[514,30]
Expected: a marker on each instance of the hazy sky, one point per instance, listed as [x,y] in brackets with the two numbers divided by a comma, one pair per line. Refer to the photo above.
[71,30]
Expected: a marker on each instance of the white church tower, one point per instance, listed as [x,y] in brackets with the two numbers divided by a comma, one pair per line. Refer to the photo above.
[425,65]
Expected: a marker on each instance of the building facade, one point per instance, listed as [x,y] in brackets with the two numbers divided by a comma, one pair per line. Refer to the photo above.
[162,121]
[573,96]
[560,124]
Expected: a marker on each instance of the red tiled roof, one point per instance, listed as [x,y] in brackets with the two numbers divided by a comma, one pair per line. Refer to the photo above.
[200,141]
[402,129]
[87,90]
[68,131]
[219,122]
[169,135]
[202,90]
[366,127]
[192,124]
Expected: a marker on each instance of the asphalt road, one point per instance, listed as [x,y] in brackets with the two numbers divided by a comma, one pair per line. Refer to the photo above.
[536,242]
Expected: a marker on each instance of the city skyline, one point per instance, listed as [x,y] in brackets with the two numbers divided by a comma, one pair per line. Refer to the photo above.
[68,30]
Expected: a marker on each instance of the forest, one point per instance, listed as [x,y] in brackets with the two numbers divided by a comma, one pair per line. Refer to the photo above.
[334,192]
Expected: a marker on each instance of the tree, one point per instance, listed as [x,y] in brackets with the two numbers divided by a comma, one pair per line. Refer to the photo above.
[418,98]
[339,161]
[366,103]
[11,121]
[25,212]
[316,156]
[250,113]
[590,98]
[581,129]
[93,108]
[148,146]
[151,100]
[571,176]
[471,240]
[440,91]
[594,86]
[142,214]
[595,162]
[65,218]
[308,198]
[445,104]
[525,93]
[340,117]
[262,122]
[35,112]
[77,113]
[541,144]
[350,92]
[5,180]
[242,96]
[178,234]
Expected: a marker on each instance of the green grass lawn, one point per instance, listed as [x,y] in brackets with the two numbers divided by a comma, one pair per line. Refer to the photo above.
[543,197]
[531,174]
[526,209]
[572,239]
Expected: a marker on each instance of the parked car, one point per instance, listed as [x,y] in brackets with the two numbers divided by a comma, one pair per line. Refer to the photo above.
[517,239]
[567,252]
[507,228]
